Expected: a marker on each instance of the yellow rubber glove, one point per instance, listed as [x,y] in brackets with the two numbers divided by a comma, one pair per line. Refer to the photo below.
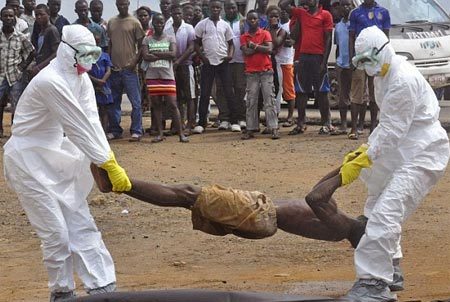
[117,175]
[353,154]
[350,171]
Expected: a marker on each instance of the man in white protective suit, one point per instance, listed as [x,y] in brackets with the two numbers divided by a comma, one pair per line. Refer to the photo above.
[406,155]
[55,136]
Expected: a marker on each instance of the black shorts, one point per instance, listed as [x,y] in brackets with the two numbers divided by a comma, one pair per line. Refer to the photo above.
[308,77]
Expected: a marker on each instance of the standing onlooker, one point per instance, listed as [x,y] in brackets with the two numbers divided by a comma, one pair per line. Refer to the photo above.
[99,75]
[96,9]
[369,13]
[16,53]
[46,41]
[144,14]
[256,45]
[237,68]
[184,35]
[125,34]
[82,10]
[55,18]
[343,68]
[164,6]
[284,58]
[20,25]
[198,15]
[216,39]
[316,26]
[28,6]
[188,14]
[261,9]
[160,49]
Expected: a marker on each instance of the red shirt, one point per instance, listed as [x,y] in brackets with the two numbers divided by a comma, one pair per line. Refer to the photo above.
[258,61]
[313,28]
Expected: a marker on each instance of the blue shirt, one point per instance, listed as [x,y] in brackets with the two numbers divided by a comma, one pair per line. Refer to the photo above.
[102,94]
[363,17]
[60,22]
[341,40]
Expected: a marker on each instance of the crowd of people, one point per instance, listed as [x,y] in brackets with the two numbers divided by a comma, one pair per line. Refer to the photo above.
[204,49]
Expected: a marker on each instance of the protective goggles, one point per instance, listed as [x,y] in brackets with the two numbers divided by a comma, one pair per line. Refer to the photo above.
[85,54]
[369,56]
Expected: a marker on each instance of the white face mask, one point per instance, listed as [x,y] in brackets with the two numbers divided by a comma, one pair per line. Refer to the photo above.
[85,56]
[369,60]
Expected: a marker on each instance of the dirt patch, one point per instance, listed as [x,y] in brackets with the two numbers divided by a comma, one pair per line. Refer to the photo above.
[156,248]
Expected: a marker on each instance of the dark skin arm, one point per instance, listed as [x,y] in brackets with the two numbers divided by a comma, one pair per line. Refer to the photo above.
[199,51]
[102,81]
[327,40]
[278,40]
[230,53]
[24,64]
[167,55]
[185,55]
[136,58]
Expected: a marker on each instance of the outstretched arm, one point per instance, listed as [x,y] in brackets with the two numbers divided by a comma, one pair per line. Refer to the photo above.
[158,194]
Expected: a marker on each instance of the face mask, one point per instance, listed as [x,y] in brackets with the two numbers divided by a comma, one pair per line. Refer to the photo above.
[369,60]
[85,56]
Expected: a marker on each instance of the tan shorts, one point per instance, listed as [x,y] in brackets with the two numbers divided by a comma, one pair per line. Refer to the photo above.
[221,211]
[362,87]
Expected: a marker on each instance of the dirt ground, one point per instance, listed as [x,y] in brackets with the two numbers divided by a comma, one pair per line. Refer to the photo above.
[156,248]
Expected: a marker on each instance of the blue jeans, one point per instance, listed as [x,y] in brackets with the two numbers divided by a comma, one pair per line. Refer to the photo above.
[14,91]
[125,81]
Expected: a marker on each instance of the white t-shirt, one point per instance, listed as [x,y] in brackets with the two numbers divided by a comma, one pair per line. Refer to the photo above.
[285,55]
[215,39]
[238,57]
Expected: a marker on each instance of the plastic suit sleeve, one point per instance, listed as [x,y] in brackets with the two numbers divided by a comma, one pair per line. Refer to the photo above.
[82,130]
[396,115]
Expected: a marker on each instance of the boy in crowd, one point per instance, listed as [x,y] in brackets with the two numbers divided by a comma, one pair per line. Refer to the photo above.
[46,41]
[256,45]
[214,45]
[82,10]
[344,70]
[316,26]
[184,35]
[237,67]
[55,18]
[284,58]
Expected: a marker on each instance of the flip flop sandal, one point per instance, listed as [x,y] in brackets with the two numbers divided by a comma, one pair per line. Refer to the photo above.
[297,130]
[353,136]
[339,132]
[288,124]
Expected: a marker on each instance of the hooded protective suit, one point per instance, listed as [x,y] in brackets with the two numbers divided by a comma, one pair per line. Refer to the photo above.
[409,150]
[55,136]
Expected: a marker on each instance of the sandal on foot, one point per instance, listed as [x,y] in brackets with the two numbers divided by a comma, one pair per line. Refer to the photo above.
[184,139]
[266,131]
[158,139]
[353,136]
[339,132]
[297,130]
[288,123]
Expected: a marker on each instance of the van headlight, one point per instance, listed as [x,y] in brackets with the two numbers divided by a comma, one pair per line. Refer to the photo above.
[408,56]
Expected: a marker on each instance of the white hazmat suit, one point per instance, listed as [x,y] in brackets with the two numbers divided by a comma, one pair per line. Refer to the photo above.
[409,150]
[55,136]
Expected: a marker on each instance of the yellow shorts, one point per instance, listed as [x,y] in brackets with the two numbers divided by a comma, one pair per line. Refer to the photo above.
[221,211]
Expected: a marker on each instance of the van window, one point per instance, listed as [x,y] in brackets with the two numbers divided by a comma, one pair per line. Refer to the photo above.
[414,11]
